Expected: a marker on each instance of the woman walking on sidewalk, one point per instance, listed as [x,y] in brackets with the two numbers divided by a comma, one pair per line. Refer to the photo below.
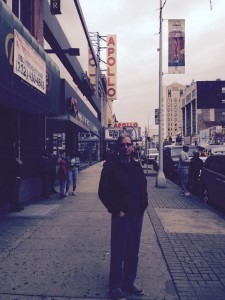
[73,163]
[123,191]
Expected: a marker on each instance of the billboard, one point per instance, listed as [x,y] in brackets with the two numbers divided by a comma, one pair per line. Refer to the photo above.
[111,61]
[27,63]
[176,46]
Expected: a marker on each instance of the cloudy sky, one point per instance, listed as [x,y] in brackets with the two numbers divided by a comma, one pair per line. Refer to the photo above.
[136,24]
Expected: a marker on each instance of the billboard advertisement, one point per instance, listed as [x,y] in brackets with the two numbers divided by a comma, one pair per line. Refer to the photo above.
[176,46]
[28,64]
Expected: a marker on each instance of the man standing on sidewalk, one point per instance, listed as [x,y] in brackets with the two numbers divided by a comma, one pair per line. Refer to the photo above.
[184,163]
[123,191]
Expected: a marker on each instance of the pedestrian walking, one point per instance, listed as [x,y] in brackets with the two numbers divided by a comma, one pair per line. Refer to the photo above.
[16,172]
[62,173]
[196,165]
[73,163]
[123,191]
[53,160]
[45,170]
[77,165]
[183,168]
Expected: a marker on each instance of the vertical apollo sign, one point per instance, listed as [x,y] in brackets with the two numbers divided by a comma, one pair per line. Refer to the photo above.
[176,47]
[111,67]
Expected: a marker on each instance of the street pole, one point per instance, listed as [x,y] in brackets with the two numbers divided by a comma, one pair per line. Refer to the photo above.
[160,179]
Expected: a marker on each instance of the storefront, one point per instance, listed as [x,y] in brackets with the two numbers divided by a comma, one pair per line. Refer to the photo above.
[76,128]
[29,90]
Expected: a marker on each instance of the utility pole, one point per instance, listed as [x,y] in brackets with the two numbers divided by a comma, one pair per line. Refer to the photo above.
[160,179]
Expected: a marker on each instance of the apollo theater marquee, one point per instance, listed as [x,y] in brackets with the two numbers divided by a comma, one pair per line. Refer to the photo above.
[112,133]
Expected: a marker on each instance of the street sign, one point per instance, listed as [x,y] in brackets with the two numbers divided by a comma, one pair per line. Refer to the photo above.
[156,116]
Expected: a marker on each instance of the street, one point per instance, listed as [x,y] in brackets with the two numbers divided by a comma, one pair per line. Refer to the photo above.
[60,249]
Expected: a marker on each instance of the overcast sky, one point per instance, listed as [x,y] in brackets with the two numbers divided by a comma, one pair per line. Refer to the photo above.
[136,24]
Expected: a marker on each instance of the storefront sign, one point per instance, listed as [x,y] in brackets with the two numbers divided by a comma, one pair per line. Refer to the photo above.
[112,134]
[125,124]
[86,137]
[73,109]
[55,7]
[28,64]
[111,61]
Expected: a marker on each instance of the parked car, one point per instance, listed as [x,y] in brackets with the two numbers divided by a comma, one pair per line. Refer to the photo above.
[151,155]
[212,180]
[171,154]
[218,150]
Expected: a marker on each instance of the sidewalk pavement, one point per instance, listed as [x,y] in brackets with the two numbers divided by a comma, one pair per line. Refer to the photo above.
[60,249]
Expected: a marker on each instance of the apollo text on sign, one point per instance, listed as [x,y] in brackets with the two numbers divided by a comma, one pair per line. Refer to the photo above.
[125,124]
[111,60]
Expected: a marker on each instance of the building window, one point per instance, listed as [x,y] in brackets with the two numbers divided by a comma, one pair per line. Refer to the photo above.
[223,89]
[181,92]
[223,101]
[169,93]
[223,113]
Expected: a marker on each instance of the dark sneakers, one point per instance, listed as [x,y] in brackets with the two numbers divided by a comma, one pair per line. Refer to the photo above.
[117,294]
[134,289]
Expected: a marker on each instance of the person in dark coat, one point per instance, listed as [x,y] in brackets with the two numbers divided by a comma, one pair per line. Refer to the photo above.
[62,173]
[16,171]
[45,169]
[195,167]
[123,191]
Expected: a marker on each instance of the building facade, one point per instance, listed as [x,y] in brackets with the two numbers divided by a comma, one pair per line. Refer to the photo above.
[203,106]
[46,100]
[172,121]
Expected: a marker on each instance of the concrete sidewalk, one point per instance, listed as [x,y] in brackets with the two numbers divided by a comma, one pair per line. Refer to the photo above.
[191,236]
[60,249]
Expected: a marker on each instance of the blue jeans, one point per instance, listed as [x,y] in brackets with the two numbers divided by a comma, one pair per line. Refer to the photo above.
[71,177]
[125,244]
[183,172]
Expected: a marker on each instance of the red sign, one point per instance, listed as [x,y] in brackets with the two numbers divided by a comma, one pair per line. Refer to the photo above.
[125,124]
[111,67]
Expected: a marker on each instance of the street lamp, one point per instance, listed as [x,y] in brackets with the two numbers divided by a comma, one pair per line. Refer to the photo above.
[160,179]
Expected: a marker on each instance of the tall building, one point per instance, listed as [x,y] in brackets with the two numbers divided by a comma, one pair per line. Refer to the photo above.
[203,106]
[171,115]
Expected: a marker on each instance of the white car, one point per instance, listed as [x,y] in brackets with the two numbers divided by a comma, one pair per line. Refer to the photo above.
[151,155]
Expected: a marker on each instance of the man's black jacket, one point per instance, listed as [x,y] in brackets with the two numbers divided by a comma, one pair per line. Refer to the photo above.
[114,190]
